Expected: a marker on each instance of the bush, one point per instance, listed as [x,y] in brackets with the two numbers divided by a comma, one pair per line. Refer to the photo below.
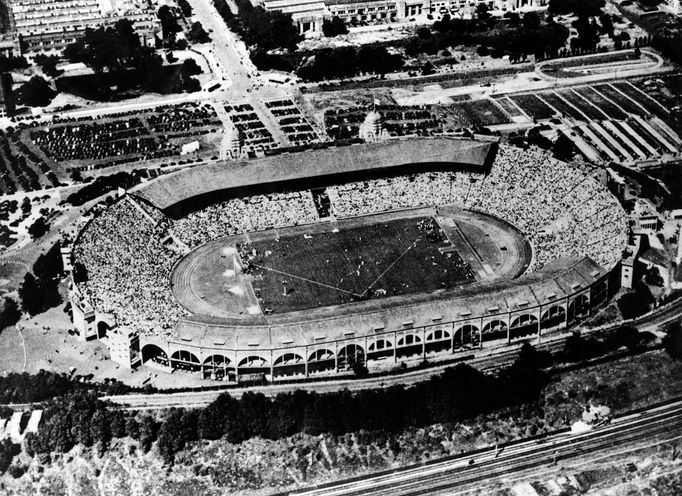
[36,92]
[38,228]
[335,27]
[672,342]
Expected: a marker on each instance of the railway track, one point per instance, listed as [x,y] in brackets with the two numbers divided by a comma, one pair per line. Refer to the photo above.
[489,466]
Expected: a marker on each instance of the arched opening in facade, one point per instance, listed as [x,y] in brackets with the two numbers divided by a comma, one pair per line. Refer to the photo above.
[380,348]
[438,341]
[350,355]
[466,336]
[217,367]
[253,365]
[579,308]
[185,360]
[409,345]
[321,360]
[553,317]
[102,329]
[494,330]
[289,364]
[151,352]
[523,326]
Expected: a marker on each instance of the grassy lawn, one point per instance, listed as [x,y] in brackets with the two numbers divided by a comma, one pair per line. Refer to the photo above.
[373,261]
[533,106]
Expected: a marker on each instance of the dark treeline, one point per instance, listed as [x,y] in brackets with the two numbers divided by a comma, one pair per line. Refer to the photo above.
[117,49]
[514,38]
[103,185]
[31,388]
[460,393]
[345,62]
[261,30]
[39,290]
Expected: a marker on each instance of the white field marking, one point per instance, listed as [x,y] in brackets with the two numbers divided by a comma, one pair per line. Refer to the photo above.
[228,273]
[304,279]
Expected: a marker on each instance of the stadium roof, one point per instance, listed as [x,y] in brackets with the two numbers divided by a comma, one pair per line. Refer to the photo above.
[546,287]
[177,187]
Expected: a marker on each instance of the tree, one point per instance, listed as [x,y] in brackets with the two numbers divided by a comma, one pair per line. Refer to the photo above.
[169,25]
[672,342]
[428,69]
[190,68]
[197,34]
[606,24]
[38,228]
[531,20]
[8,451]
[482,12]
[36,92]
[335,27]
[653,277]
[424,33]
[10,314]
[48,63]
[563,148]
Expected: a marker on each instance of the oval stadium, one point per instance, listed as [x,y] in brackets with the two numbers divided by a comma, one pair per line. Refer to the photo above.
[380,254]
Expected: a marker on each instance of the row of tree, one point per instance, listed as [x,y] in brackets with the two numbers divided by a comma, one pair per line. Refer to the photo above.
[40,289]
[460,393]
[345,62]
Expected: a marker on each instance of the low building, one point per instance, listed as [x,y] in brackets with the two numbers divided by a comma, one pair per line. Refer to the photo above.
[644,216]
[45,25]
[629,261]
[309,15]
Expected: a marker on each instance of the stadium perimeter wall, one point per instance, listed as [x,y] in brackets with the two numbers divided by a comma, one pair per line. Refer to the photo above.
[440,325]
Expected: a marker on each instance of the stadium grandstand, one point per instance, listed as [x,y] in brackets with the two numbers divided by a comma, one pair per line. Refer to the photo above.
[307,264]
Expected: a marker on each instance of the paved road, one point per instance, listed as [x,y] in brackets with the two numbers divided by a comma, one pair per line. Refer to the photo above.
[475,471]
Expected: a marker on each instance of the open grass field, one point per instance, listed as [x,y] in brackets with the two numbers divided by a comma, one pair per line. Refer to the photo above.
[533,106]
[605,105]
[340,266]
[621,100]
[483,112]
[583,105]
[643,99]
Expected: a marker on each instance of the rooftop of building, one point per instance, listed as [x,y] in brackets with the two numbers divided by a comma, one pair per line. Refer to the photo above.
[186,184]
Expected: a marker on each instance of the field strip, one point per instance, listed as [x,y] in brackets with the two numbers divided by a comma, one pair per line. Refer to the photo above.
[305,279]
[391,266]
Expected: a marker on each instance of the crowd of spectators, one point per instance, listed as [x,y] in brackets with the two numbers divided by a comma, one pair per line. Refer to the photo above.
[242,215]
[294,125]
[128,268]
[562,210]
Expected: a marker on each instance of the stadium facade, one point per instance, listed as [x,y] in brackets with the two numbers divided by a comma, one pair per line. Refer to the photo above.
[380,333]
[309,15]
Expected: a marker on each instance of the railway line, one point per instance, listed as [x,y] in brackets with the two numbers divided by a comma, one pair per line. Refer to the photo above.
[486,467]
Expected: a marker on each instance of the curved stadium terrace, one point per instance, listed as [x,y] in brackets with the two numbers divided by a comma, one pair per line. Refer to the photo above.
[304,264]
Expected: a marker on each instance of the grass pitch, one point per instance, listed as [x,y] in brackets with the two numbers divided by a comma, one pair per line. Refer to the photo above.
[336,267]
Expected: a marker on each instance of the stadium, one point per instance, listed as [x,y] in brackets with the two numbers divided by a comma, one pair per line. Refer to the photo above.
[379,254]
